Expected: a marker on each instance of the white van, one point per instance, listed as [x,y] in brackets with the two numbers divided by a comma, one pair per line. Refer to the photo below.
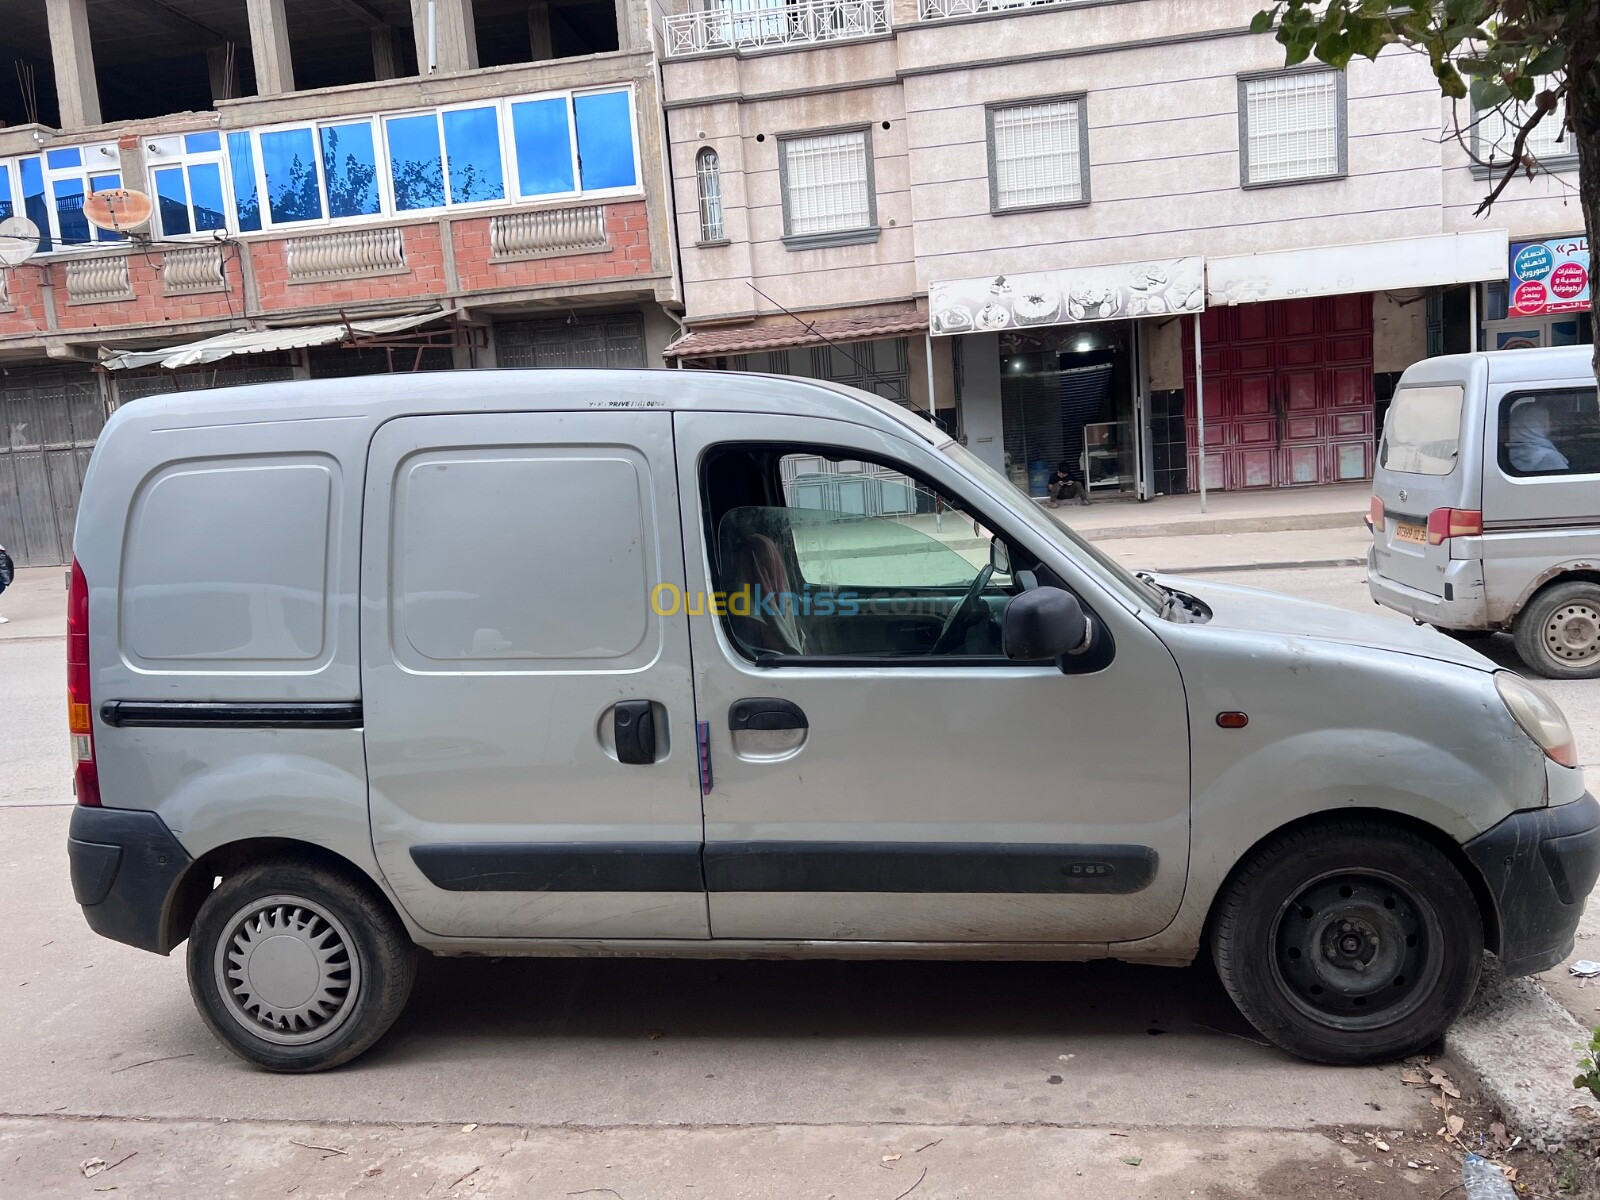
[669,663]
[1486,504]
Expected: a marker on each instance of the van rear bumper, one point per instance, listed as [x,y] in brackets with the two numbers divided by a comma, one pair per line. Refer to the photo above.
[1540,866]
[125,868]
[1463,607]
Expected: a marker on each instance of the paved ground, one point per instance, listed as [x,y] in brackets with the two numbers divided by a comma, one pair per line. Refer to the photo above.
[636,1078]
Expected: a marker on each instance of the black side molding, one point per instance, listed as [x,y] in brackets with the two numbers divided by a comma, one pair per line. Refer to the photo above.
[927,867]
[562,866]
[209,714]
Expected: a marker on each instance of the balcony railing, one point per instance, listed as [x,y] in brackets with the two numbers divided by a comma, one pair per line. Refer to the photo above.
[754,25]
[935,10]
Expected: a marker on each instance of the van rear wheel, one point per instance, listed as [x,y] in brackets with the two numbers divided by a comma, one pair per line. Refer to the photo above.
[298,968]
[1349,942]
[1558,632]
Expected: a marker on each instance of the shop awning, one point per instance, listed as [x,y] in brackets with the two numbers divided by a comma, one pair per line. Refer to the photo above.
[1072,296]
[1435,260]
[745,339]
[263,341]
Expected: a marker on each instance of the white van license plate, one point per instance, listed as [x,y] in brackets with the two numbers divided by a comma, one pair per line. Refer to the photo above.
[1410,533]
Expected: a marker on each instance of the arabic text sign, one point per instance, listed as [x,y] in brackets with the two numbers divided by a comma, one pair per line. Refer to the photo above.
[1549,277]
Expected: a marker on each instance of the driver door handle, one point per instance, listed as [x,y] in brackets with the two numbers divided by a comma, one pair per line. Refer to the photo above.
[766,712]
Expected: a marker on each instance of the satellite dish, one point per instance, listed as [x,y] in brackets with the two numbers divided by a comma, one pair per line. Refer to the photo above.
[117,210]
[19,241]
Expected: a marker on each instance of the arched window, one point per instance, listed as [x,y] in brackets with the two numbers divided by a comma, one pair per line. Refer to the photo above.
[708,181]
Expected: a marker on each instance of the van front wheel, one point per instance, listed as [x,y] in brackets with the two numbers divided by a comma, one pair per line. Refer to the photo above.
[1349,942]
[1558,632]
[297,968]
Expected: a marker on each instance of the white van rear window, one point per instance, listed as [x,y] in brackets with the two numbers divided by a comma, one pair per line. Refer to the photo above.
[1422,435]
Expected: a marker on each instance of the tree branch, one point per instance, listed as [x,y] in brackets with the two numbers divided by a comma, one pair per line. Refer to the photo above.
[1546,102]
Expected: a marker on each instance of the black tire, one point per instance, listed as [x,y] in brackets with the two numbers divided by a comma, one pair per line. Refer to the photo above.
[1386,961]
[1558,631]
[360,959]
[1469,636]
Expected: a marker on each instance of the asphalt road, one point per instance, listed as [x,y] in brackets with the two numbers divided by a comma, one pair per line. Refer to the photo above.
[641,1078]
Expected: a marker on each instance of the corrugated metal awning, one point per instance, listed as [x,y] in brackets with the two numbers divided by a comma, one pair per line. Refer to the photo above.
[263,341]
[743,339]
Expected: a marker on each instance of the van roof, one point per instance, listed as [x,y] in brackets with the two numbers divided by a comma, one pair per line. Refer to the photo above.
[1507,366]
[382,397]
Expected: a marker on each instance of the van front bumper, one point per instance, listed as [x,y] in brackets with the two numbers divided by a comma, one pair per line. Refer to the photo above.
[1540,866]
[125,869]
[1463,604]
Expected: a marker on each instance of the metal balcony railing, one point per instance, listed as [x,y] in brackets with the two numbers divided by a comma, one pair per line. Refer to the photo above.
[755,24]
[935,10]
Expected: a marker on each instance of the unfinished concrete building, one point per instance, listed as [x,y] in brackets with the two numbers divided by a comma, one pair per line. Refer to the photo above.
[338,187]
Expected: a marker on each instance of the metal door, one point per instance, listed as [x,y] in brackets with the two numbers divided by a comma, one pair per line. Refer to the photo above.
[49,420]
[610,340]
[514,651]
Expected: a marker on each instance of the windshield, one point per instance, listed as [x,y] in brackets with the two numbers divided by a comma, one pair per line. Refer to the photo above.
[1121,580]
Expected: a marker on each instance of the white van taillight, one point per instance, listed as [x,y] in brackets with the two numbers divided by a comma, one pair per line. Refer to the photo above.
[1375,516]
[1447,523]
[80,706]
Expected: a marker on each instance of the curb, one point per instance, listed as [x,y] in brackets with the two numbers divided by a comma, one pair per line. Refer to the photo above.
[1262,524]
[1521,1046]
[1301,564]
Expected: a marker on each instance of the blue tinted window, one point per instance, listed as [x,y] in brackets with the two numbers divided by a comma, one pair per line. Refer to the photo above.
[242,159]
[293,192]
[57,159]
[205,193]
[202,143]
[472,144]
[544,147]
[106,183]
[414,162]
[34,206]
[172,200]
[68,196]
[6,209]
[605,140]
[350,166]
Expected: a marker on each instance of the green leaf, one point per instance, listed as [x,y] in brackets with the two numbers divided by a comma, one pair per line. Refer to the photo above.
[1488,93]
[1262,21]
[1547,61]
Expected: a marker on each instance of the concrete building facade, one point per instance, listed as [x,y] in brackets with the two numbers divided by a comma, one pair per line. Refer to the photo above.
[338,187]
[1072,191]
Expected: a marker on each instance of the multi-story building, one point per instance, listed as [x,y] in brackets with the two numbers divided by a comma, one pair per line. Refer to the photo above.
[339,187]
[1038,206]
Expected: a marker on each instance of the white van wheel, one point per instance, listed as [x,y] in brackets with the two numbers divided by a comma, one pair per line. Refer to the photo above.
[297,967]
[1558,633]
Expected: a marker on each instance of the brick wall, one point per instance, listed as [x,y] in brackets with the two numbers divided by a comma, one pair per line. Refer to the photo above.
[424,255]
[627,230]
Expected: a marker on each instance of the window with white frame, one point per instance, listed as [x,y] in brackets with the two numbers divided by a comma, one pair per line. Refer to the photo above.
[827,184]
[708,187]
[1494,133]
[1291,127]
[565,144]
[1037,154]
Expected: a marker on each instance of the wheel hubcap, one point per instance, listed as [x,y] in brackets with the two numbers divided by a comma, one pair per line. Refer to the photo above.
[287,970]
[1356,950]
[1572,634]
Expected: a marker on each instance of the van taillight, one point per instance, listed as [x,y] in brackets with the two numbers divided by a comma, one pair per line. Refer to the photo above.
[80,706]
[1447,523]
[1375,515]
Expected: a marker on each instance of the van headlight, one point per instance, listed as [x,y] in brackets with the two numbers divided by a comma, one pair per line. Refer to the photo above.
[1540,717]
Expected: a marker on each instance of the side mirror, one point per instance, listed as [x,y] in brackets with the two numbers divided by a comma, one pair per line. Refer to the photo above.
[999,556]
[1044,623]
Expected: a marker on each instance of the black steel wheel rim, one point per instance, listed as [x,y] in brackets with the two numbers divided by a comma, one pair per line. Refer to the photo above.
[1357,950]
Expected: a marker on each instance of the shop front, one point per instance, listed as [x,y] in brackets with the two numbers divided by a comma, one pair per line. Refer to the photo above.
[1543,299]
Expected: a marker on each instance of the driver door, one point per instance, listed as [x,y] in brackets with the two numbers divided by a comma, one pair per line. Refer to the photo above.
[877,769]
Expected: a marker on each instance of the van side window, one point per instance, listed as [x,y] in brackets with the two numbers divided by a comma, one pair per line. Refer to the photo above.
[817,556]
[1422,434]
[1554,432]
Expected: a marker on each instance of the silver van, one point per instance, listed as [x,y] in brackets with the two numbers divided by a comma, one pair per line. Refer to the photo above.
[1486,505]
[670,663]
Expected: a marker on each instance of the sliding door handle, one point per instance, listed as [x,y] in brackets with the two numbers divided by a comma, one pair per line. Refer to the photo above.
[634,724]
[766,712]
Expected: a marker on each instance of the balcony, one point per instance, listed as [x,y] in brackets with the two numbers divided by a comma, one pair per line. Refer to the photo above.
[753,25]
[938,10]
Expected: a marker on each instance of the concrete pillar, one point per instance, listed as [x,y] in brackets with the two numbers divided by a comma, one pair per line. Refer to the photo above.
[269,47]
[77,92]
[625,33]
[455,46]
[539,31]
[384,65]
[980,398]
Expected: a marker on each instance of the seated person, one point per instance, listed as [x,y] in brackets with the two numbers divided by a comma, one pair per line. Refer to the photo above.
[1529,444]
[1065,482]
